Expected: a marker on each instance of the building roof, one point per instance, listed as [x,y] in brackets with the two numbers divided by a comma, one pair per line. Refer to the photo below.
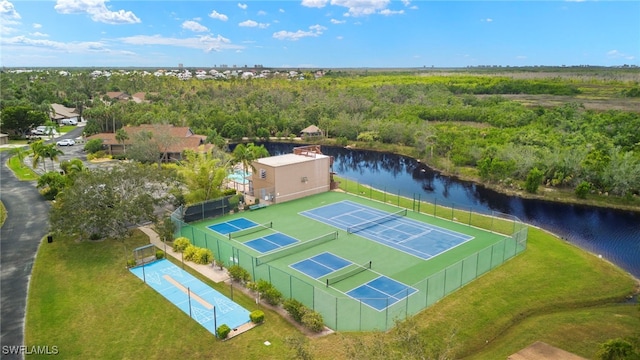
[543,351]
[62,112]
[288,159]
[311,129]
[183,137]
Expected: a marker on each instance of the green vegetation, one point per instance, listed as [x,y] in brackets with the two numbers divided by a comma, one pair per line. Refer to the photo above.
[22,172]
[493,125]
[83,299]
[3,214]
[81,291]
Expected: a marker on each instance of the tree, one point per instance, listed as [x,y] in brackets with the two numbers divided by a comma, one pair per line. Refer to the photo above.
[20,153]
[105,203]
[534,179]
[203,176]
[93,146]
[245,155]
[39,151]
[51,152]
[121,137]
[21,119]
[51,184]
[616,349]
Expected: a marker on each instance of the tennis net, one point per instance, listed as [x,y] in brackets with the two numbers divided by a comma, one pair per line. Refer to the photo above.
[373,222]
[251,230]
[349,273]
[288,250]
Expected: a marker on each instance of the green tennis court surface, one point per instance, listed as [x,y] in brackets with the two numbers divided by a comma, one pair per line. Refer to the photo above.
[360,263]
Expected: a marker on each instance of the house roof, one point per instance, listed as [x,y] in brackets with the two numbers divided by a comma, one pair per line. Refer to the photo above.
[183,137]
[62,112]
[311,129]
[121,95]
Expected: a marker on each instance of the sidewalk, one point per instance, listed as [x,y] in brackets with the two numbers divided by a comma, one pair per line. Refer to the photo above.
[213,273]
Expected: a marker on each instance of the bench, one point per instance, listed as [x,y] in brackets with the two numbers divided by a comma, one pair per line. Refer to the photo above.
[257,206]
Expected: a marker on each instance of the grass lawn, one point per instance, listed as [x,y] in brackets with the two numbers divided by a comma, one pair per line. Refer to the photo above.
[83,300]
[22,172]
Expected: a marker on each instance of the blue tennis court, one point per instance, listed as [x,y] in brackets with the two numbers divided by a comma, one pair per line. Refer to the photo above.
[270,242]
[232,226]
[381,292]
[192,296]
[410,236]
[321,265]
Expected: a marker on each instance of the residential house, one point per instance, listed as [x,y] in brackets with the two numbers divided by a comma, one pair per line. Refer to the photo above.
[175,139]
[59,113]
[118,95]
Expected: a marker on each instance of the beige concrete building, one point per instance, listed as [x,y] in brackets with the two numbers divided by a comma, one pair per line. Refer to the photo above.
[287,177]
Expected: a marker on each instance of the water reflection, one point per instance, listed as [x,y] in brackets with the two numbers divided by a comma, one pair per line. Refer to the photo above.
[614,234]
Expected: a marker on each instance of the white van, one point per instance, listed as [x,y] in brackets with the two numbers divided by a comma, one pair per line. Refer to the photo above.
[71,121]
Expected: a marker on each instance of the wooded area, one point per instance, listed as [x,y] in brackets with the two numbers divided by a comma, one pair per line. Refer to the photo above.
[453,120]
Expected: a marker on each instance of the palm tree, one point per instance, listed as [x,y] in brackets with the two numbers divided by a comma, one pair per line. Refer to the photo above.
[39,153]
[121,137]
[51,152]
[246,154]
[20,152]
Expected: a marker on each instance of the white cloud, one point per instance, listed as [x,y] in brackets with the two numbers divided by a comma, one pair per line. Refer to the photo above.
[216,15]
[72,47]
[37,33]
[281,10]
[316,30]
[315,3]
[339,37]
[242,6]
[521,57]
[262,13]
[335,21]
[487,20]
[615,54]
[37,26]
[205,43]
[387,12]
[7,11]
[194,26]
[406,2]
[97,10]
[361,7]
[251,23]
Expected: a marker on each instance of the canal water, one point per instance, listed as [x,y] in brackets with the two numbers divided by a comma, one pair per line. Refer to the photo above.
[613,234]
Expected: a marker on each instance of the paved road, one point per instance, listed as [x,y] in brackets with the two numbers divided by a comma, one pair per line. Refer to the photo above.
[20,236]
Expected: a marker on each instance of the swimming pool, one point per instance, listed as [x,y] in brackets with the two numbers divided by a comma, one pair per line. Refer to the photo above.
[239,176]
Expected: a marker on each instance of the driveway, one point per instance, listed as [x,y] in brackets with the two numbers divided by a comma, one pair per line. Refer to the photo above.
[25,227]
[20,237]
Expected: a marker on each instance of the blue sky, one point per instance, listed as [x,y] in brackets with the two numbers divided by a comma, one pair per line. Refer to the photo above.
[318,33]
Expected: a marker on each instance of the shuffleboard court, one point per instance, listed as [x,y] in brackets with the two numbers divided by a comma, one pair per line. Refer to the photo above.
[410,236]
[192,296]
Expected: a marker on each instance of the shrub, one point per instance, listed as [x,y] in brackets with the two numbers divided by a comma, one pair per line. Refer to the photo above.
[534,178]
[257,316]
[239,274]
[582,190]
[159,254]
[93,146]
[203,256]
[342,141]
[180,244]
[272,295]
[295,308]
[131,263]
[223,331]
[190,252]
[312,320]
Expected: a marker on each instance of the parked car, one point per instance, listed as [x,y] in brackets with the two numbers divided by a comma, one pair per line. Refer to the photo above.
[66,142]
[44,130]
